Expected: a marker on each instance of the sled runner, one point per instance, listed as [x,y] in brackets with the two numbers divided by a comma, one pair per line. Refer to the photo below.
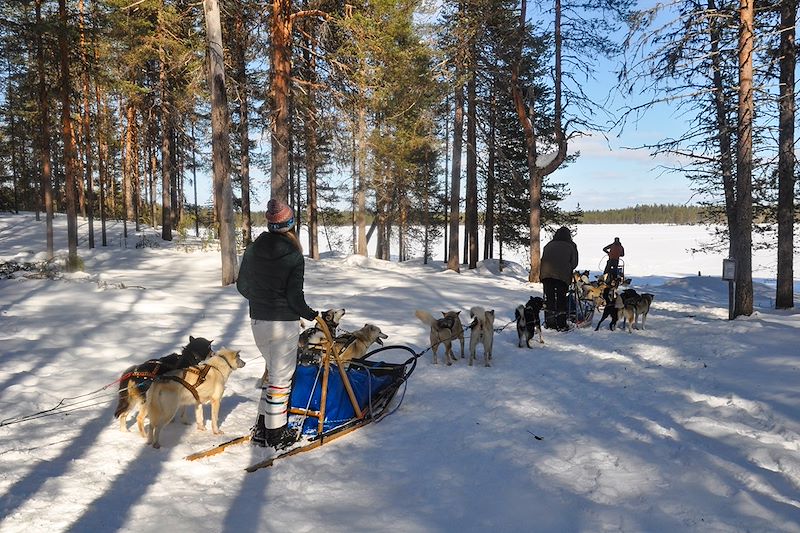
[334,398]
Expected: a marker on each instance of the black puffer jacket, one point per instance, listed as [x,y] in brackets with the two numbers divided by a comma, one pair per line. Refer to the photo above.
[271,278]
[559,257]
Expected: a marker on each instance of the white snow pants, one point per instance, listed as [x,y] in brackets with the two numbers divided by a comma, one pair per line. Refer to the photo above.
[277,342]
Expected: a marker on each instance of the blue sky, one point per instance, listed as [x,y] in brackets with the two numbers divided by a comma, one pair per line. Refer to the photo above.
[610,174]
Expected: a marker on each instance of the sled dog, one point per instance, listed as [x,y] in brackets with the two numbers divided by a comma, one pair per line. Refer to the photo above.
[481,331]
[198,385]
[528,321]
[355,345]
[443,331]
[135,380]
[635,305]
[309,346]
[611,309]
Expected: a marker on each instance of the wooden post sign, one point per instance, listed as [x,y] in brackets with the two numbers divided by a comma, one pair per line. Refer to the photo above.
[729,274]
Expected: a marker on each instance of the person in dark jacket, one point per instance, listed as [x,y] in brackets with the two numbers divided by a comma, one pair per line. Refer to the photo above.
[559,260]
[271,278]
[615,250]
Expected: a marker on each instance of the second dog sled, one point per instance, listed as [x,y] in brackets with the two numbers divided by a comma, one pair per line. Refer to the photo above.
[333,398]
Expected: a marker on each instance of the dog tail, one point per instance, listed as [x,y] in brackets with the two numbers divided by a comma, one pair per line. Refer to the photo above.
[519,312]
[425,317]
[477,316]
[123,404]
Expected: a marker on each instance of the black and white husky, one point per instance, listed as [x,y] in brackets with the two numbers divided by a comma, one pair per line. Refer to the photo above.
[528,321]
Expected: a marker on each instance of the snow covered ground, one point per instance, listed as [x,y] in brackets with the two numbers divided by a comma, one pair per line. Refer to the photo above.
[690,425]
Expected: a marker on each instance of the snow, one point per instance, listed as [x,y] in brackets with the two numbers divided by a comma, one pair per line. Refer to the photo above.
[690,425]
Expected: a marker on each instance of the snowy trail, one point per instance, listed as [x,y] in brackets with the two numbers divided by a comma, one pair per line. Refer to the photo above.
[690,425]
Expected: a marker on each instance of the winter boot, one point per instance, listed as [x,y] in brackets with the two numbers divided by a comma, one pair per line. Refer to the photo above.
[550,319]
[561,322]
[258,435]
[281,438]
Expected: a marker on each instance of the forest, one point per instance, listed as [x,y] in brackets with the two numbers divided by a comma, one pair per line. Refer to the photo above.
[414,114]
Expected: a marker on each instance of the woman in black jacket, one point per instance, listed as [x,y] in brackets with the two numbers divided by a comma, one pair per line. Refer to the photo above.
[271,278]
[559,260]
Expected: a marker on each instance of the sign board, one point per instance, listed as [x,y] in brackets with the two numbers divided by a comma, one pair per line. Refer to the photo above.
[729,269]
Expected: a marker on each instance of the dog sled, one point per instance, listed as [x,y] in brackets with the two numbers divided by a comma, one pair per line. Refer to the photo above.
[332,398]
[580,310]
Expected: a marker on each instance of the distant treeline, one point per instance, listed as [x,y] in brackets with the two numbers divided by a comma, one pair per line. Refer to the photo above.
[639,214]
[647,214]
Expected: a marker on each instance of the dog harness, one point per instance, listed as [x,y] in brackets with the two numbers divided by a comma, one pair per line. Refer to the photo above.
[446,323]
[201,373]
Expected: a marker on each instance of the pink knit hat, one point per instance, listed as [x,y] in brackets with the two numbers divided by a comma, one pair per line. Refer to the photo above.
[280,217]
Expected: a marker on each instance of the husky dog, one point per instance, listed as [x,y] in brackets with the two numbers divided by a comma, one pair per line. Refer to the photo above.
[635,305]
[482,331]
[355,345]
[632,304]
[309,347]
[528,321]
[443,331]
[611,309]
[135,380]
[198,385]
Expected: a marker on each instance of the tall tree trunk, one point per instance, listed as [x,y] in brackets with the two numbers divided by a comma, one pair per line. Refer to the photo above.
[44,135]
[194,183]
[527,119]
[471,206]
[535,179]
[80,189]
[130,161]
[784,292]
[311,146]
[744,165]
[166,159]
[723,128]
[175,204]
[13,139]
[68,137]
[446,204]
[87,133]
[281,32]
[102,158]
[152,150]
[455,188]
[361,191]
[220,145]
[240,47]
[488,225]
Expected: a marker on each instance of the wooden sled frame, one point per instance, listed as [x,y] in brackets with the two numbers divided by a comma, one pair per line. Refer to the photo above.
[330,356]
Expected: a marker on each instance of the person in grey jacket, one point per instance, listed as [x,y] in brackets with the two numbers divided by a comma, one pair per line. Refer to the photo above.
[271,278]
[559,260]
